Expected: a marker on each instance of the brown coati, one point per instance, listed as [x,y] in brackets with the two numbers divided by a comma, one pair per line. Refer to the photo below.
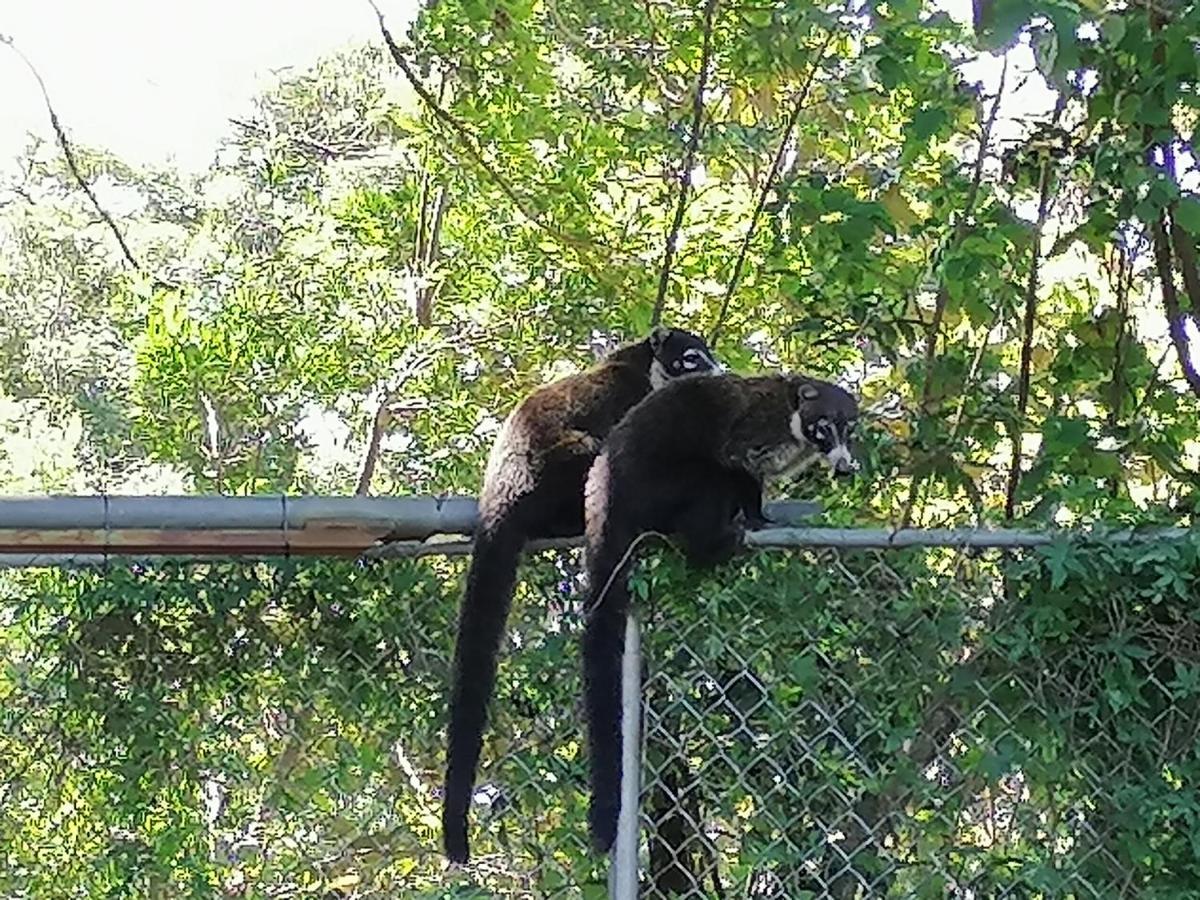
[688,462]
[533,488]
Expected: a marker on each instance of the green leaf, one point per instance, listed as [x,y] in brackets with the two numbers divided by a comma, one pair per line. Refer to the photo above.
[1056,556]
[926,122]
[1095,231]
[998,21]
[890,72]
[1064,436]
[803,671]
[857,229]
[1187,215]
[1113,29]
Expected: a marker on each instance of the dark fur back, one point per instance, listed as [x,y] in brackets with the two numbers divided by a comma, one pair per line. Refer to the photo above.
[534,488]
[713,419]
[666,463]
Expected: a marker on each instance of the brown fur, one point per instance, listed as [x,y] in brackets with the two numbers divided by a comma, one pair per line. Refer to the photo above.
[533,488]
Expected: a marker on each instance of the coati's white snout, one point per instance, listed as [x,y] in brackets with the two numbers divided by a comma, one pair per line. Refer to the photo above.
[838,458]
[841,460]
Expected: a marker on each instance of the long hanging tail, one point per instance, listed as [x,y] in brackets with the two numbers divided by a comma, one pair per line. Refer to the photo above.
[482,616]
[603,650]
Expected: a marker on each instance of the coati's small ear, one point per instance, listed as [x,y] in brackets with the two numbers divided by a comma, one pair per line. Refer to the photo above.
[658,337]
[808,392]
[797,393]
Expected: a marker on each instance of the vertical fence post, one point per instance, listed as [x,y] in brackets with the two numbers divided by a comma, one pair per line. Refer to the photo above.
[623,865]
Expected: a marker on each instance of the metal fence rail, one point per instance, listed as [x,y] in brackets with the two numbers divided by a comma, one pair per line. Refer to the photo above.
[74,530]
[878,718]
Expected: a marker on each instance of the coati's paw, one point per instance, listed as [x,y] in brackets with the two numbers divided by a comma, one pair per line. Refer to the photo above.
[757,521]
[710,551]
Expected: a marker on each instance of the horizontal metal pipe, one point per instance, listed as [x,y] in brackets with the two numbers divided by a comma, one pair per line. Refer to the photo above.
[767,539]
[37,531]
[407,518]
[980,538]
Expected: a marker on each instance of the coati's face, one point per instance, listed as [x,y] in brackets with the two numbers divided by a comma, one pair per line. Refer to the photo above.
[824,419]
[676,353]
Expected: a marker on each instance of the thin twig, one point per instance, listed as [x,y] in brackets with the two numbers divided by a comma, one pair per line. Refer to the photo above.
[1151,384]
[1023,378]
[1161,229]
[972,373]
[797,106]
[943,294]
[69,153]
[960,232]
[685,176]
[467,142]
[384,414]
[349,148]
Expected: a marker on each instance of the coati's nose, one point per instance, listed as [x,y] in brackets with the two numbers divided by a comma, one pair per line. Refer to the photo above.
[842,462]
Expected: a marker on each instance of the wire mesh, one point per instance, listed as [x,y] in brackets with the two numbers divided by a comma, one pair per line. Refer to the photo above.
[917,723]
[929,724]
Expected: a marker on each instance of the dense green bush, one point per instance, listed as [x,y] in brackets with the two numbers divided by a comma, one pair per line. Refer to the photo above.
[917,723]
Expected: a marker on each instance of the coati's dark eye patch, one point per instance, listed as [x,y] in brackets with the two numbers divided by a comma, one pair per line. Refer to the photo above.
[686,361]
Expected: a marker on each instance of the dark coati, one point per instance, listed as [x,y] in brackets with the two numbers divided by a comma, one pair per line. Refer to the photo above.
[533,488]
[688,462]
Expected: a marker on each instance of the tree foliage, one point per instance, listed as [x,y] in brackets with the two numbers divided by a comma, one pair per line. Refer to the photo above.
[366,264]
[347,231]
[925,723]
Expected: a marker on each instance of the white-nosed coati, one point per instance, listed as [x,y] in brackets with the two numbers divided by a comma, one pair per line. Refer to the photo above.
[685,462]
[533,488]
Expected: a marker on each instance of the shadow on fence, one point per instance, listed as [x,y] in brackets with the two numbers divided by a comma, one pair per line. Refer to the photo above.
[820,723]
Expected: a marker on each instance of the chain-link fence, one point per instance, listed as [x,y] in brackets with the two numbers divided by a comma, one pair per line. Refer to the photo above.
[917,723]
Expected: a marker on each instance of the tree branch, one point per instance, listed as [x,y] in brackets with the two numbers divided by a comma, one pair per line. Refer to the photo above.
[1183,245]
[425,291]
[1185,253]
[418,255]
[467,142]
[1175,316]
[348,148]
[383,417]
[1122,283]
[1023,379]
[69,154]
[685,176]
[769,185]
[960,232]
[1162,229]
[414,364]
[933,331]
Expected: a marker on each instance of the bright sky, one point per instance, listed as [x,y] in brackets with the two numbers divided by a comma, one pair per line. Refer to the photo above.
[157,79]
